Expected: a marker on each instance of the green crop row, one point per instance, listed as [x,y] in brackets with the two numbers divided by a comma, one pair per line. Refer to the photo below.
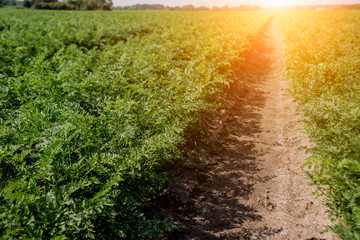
[92,104]
[323,61]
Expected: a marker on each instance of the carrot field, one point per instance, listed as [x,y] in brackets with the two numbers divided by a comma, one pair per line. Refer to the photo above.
[93,104]
[96,106]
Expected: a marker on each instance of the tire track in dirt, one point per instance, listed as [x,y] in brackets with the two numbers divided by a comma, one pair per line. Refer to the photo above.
[251,186]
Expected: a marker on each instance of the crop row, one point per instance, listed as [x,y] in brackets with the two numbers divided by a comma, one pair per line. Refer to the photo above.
[323,60]
[92,104]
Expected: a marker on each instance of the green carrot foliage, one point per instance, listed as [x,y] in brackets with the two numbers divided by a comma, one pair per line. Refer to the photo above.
[93,104]
[323,60]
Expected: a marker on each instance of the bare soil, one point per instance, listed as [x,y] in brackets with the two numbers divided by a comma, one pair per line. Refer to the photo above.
[247,181]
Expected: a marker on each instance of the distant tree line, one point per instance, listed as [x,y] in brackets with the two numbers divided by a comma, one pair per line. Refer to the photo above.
[352,6]
[326,7]
[184,8]
[61,5]
[7,3]
[108,5]
[226,8]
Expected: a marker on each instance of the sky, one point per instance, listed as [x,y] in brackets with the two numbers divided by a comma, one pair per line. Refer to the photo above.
[231,3]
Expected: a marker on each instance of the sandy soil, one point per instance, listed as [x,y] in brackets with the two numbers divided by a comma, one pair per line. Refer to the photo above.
[251,186]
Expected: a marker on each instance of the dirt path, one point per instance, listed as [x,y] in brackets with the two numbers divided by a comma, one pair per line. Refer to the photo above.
[284,199]
[251,186]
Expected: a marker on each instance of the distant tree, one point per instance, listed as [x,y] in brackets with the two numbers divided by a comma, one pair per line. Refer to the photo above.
[94,4]
[188,7]
[176,8]
[10,2]
[69,4]
[350,6]
[2,3]
[27,3]
[107,5]
[203,8]
[225,8]
[144,7]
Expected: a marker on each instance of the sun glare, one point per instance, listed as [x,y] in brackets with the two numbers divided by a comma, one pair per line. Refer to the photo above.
[275,3]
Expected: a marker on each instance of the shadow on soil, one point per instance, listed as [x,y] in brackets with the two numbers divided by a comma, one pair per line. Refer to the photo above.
[204,189]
